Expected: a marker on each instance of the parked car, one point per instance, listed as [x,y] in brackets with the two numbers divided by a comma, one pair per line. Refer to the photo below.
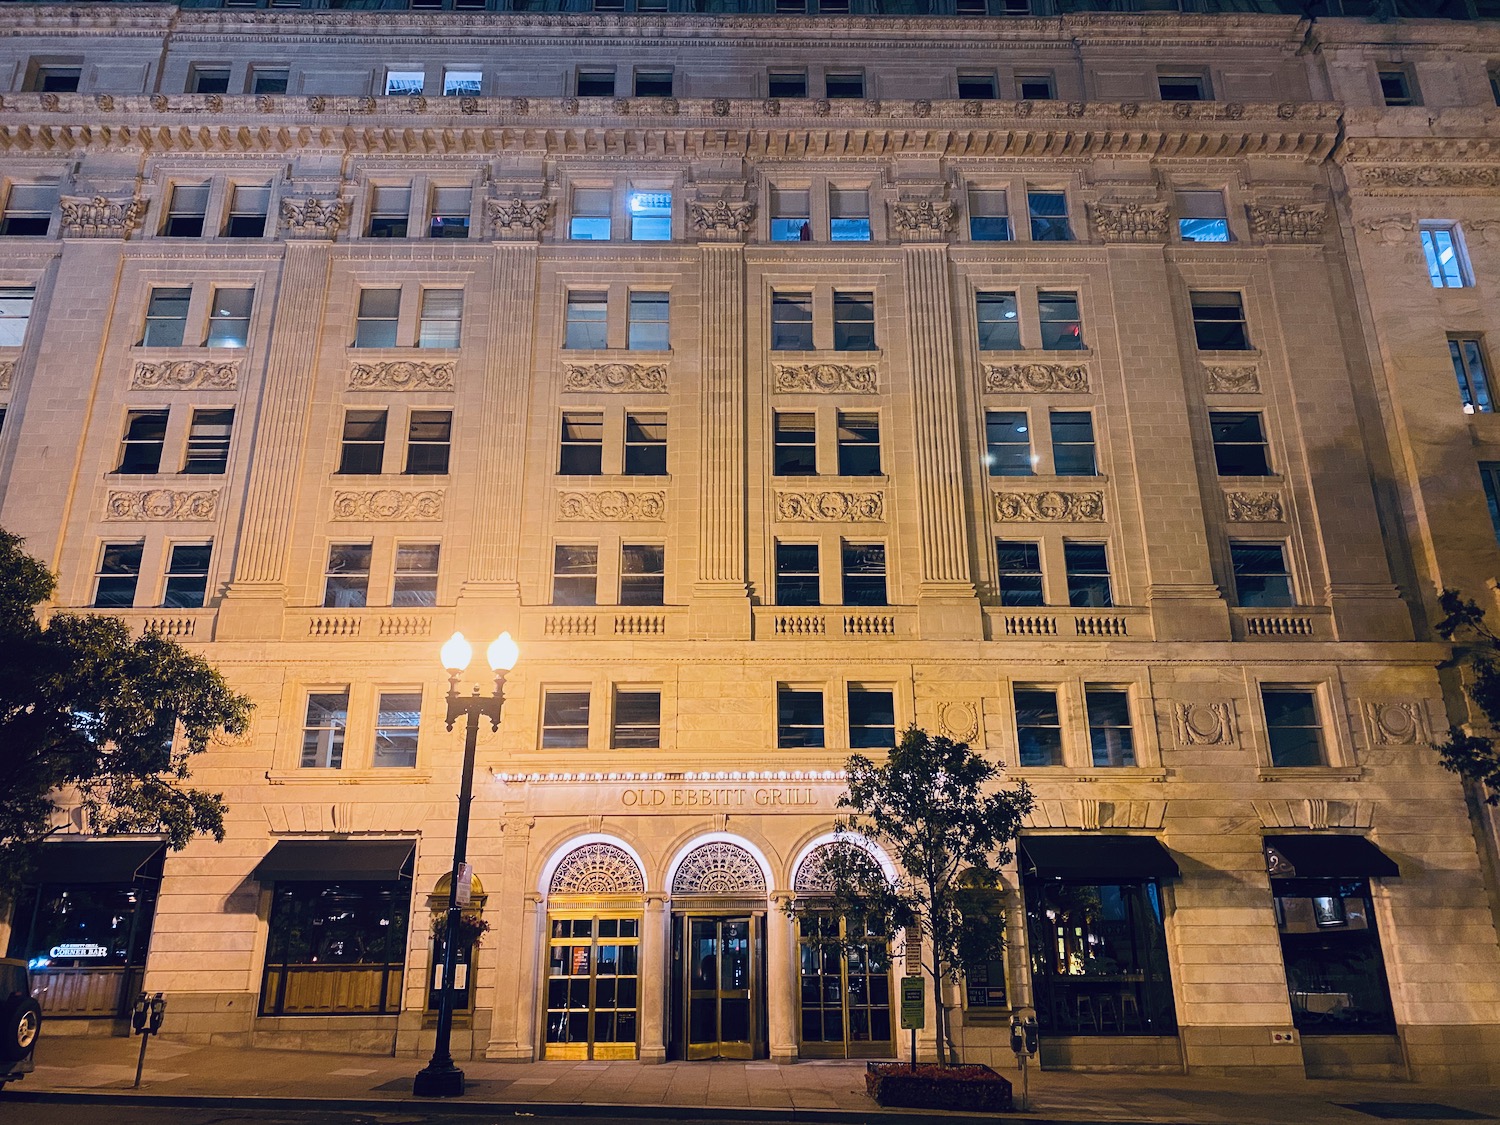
[20,1021]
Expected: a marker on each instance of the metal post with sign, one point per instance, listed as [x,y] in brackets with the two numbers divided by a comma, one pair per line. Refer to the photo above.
[913,1009]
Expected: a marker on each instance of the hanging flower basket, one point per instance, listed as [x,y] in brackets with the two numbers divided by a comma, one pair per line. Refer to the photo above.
[973,1088]
[471,927]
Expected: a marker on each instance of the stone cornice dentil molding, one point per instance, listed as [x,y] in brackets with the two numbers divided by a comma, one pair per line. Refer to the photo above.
[924,220]
[721,220]
[394,504]
[1051,506]
[1254,507]
[648,377]
[1220,378]
[100,217]
[7,373]
[162,504]
[1036,378]
[403,375]
[518,220]
[1129,221]
[1286,222]
[612,504]
[312,216]
[830,507]
[824,378]
[185,374]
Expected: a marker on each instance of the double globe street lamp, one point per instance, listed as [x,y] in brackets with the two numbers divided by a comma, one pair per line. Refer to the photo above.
[440,1078]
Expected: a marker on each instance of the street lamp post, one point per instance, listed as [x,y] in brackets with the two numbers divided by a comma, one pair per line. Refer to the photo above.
[440,1078]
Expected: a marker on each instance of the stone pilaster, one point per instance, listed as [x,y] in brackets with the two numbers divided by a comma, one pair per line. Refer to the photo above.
[520,938]
[782,981]
[655,984]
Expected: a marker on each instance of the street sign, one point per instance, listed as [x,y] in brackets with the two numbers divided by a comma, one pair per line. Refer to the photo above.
[465,884]
[913,1003]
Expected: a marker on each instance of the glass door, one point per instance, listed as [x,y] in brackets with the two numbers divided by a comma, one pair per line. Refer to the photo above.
[846,996]
[720,988]
[592,979]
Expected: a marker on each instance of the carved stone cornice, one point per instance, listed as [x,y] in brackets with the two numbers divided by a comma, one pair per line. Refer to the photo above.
[1049,507]
[162,504]
[646,377]
[1129,221]
[313,216]
[1254,507]
[100,216]
[612,504]
[824,378]
[403,375]
[1466,177]
[1038,378]
[185,374]
[830,507]
[924,220]
[394,504]
[517,219]
[721,220]
[1225,378]
[7,373]
[1287,222]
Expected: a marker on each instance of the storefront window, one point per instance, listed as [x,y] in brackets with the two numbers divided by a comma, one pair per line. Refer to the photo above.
[592,977]
[1099,958]
[1334,971]
[846,992]
[336,948]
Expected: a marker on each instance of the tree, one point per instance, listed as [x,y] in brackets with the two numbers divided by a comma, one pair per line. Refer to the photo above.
[933,808]
[1476,656]
[92,717]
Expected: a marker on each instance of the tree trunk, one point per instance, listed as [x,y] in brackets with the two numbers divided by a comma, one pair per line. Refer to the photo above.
[940,1014]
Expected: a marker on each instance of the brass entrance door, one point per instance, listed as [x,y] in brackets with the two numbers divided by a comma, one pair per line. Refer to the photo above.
[720,988]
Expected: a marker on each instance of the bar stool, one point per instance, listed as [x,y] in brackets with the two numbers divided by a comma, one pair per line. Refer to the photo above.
[1108,1016]
[1084,1006]
[1130,1012]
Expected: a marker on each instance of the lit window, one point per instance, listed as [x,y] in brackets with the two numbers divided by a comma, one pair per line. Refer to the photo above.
[1007,436]
[1240,448]
[799,718]
[416,574]
[248,205]
[363,447]
[166,318]
[1110,736]
[428,442]
[208,442]
[864,574]
[787,84]
[637,723]
[404,83]
[398,720]
[872,718]
[591,215]
[854,322]
[1038,727]
[1048,211]
[646,445]
[1201,216]
[187,576]
[794,444]
[1062,327]
[649,322]
[1447,264]
[323,730]
[186,210]
[791,212]
[461,83]
[1020,567]
[840,84]
[565,720]
[989,219]
[1219,322]
[118,574]
[1087,566]
[379,311]
[643,574]
[858,444]
[977,86]
[797,574]
[596,84]
[587,324]
[1260,575]
[999,325]
[15,315]
[450,212]
[582,453]
[442,319]
[145,435]
[650,216]
[849,214]
[791,322]
[653,83]
[390,211]
[1472,373]
[1073,443]
[575,574]
[1292,727]
[28,209]
[346,582]
[229,318]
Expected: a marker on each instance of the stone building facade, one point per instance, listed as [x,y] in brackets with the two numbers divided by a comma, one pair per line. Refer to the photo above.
[1072,385]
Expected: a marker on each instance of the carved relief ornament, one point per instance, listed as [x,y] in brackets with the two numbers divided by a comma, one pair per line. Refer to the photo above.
[388,504]
[313,216]
[830,507]
[1285,222]
[611,504]
[825,377]
[959,719]
[1392,230]
[924,220]
[1399,723]
[7,373]
[720,868]
[518,220]
[1071,378]
[162,504]
[721,221]
[1049,507]
[1203,724]
[597,869]
[1254,507]
[1231,379]
[1433,175]
[403,375]
[650,377]
[100,217]
[1130,222]
[185,374]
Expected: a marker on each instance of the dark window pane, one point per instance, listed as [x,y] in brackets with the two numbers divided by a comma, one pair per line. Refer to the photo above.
[799,718]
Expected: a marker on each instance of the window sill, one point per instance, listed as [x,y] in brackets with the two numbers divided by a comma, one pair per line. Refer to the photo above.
[1239,354]
[401,351]
[405,775]
[616,354]
[1027,353]
[821,355]
[1309,773]
[1088,773]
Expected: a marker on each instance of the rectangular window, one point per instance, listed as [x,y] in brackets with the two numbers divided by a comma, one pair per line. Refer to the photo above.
[248,207]
[854,322]
[442,320]
[596,84]
[797,574]
[1062,328]
[791,215]
[646,445]
[1240,448]
[398,719]
[1087,565]
[787,84]
[587,325]
[1110,736]
[1489,477]
[791,322]
[1397,86]
[1035,87]
[1007,439]
[1048,211]
[649,322]
[429,440]
[363,448]
[849,214]
[1447,264]
[416,574]
[346,583]
[404,83]
[1472,372]
[450,212]
[119,572]
[15,315]
[650,216]
[145,435]
[208,80]
[565,720]
[872,718]
[582,446]
[859,444]
[379,313]
[844,84]
[1260,575]
[1020,567]
[643,574]
[977,86]
[590,220]
[795,445]
[166,318]
[269,80]
[208,442]
[1201,216]
[1292,727]
[1219,322]
[989,216]
[1330,946]
[186,211]
[57,79]
[462,83]
[1038,727]
[653,83]
[637,720]
[1073,443]
[575,574]
[1182,87]
[390,211]
[187,576]
[323,729]
[864,574]
[229,318]
[799,718]
[28,209]
[998,322]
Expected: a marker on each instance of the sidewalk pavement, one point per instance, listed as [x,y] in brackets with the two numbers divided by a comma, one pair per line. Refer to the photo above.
[104,1069]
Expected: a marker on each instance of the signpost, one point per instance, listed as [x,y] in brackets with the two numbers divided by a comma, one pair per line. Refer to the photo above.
[913,1009]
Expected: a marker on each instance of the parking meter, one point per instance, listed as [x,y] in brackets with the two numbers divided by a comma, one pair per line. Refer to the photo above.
[1029,1029]
[1023,1041]
[158,1012]
[145,1020]
[1017,1036]
[139,1014]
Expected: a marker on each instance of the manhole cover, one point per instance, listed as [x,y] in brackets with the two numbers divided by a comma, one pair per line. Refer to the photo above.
[1416,1111]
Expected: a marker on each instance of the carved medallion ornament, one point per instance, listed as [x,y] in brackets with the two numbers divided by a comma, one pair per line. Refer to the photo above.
[959,719]
[388,504]
[650,377]
[313,217]
[719,868]
[1254,507]
[830,507]
[1391,230]
[185,374]
[162,504]
[518,220]
[1049,507]
[1402,723]
[1231,380]
[7,373]
[1287,223]
[1037,378]
[721,221]
[611,504]
[825,377]
[403,375]
[1203,724]
[924,220]
[100,217]
[597,869]
[1130,222]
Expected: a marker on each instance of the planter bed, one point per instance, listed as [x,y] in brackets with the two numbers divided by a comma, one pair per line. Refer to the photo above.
[969,1087]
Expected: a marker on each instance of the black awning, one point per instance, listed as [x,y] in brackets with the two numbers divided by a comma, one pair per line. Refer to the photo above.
[1312,855]
[334,860]
[1097,857]
[98,860]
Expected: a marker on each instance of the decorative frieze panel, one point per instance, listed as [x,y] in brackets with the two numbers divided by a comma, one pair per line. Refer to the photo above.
[162,504]
[313,216]
[1231,379]
[1442,176]
[1254,507]
[721,220]
[720,868]
[830,507]
[1204,724]
[597,869]
[518,220]
[827,378]
[393,504]
[1129,221]
[612,504]
[403,375]
[1315,813]
[924,220]
[651,377]
[1396,722]
[1286,222]
[186,375]
[1049,507]
[1090,814]
[1391,230]
[100,217]
[1036,378]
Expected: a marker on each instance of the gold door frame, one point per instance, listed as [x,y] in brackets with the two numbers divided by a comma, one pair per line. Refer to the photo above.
[849,1048]
[754,995]
[595,910]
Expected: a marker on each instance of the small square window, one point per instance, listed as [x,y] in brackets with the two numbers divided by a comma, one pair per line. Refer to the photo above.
[1398,86]
[1087,565]
[1048,211]
[1110,736]
[51,79]
[998,322]
[590,220]
[844,84]
[989,218]
[362,450]
[1007,438]
[575,574]
[596,83]
[269,80]
[1240,448]
[1201,216]
[1260,575]
[1472,372]
[849,214]
[791,322]
[398,721]
[229,318]
[653,83]
[795,444]
[650,216]
[462,83]
[858,444]
[977,86]
[346,582]
[442,320]
[1020,567]
[1219,322]
[582,453]
[1182,87]
[428,442]
[208,442]
[872,718]
[118,575]
[1036,87]
[797,574]
[186,211]
[145,437]
[565,720]
[799,718]
[187,576]
[450,212]
[637,720]
[1038,727]
[1447,263]
[587,325]
[643,574]
[208,80]
[791,215]
[166,318]
[379,312]
[1292,727]
[323,730]
[1062,327]
[28,209]
[864,574]
[787,84]
[649,322]
[646,445]
[416,574]
[404,83]
[248,207]
[854,322]
[1073,443]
